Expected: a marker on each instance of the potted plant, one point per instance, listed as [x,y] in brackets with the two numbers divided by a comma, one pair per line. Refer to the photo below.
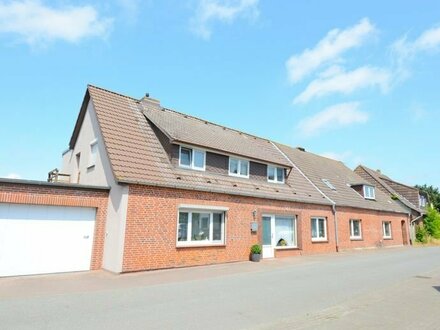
[256,252]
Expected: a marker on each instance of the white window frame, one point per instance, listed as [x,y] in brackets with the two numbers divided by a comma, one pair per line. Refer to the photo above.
[93,153]
[424,199]
[239,167]
[352,236]
[373,189]
[316,220]
[383,230]
[210,241]
[273,229]
[191,166]
[329,184]
[275,180]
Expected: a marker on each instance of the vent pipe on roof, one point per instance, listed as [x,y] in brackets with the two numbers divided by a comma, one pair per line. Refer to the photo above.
[378,171]
[301,149]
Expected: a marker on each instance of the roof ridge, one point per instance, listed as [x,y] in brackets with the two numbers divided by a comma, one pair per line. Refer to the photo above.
[218,125]
[112,92]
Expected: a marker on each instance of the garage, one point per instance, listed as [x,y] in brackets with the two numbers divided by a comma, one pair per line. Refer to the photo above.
[41,239]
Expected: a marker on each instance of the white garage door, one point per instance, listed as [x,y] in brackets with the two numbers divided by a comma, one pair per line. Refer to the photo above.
[37,239]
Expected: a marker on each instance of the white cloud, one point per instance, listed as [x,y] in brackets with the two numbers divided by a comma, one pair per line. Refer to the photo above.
[403,50]
[225,11]
[336,116]
[334,44]
[346,83]
[13,176]
[36,23]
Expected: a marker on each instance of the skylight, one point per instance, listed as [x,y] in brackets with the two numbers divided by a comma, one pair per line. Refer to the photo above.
[328,183]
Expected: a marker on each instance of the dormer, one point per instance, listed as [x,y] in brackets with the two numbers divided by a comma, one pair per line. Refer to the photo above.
[423,200]
[365,190]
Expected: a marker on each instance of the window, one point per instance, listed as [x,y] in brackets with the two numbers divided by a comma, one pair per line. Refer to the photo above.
[275,174]
[319,229]
[328,183]
[386,226]
[192,158]
[355,229]
[93,153]
[369,192]
[200,227]
[238,167]
[422,201]
[279,231]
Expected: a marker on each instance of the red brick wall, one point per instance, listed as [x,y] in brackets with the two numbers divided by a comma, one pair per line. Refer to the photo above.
[151,226]
[19,193]
[372,234]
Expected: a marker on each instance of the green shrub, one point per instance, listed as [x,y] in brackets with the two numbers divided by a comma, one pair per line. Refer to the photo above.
[421,234]
[256,249]
[432,222]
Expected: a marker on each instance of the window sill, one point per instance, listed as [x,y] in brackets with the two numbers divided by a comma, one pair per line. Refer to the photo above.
[201,245]
[286,248]
[276,182]
[356,239]
[192,168]
[320,240]
[387,238]
[90,166]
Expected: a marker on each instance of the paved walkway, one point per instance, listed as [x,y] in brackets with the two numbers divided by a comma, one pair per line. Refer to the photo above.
[380,289]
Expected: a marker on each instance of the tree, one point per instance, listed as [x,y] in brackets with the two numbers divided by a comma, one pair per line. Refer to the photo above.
[433,195]
[432,222]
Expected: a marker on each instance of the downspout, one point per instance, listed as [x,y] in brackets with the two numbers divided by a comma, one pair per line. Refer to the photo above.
[335,217]
[414,220]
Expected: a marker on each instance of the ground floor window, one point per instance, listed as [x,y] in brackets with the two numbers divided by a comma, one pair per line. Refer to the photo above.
[201,227]
[319,229]
[355,229]
[279,231]
[386,227]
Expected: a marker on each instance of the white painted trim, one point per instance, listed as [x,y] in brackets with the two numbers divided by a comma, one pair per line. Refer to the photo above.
[275,180]
[351,222]
[374,192]
[203,207]
[272,224]
[319,239]
[383,230]
[240,160]
[191,166]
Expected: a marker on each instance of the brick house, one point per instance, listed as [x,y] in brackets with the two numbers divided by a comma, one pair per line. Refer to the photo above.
[414,199]
[185,191]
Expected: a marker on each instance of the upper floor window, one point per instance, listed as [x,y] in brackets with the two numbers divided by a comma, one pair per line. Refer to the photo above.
[422,201]
[275,174]
[192,158]
[328,184]
[239,167]
[369,192]
[93,153]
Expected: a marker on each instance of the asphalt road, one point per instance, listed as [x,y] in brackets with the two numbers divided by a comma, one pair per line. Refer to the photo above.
[382,289]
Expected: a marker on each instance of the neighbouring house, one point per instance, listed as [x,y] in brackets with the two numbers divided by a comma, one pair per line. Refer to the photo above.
[414,199]
[144,187]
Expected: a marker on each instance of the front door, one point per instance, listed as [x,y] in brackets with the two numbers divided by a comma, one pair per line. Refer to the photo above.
[268,249]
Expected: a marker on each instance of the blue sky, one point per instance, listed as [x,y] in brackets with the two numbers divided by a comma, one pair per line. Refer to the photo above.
[349,80]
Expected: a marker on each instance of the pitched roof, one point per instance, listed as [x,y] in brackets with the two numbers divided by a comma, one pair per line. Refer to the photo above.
[137,156]
[318,169]
[194,131]
[392,187]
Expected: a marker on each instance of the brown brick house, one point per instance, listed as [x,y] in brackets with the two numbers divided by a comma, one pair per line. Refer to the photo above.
[185,191]
[414,199]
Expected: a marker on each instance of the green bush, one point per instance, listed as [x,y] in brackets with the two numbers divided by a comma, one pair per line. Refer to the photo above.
[432,223]
[421,234]
[256,249]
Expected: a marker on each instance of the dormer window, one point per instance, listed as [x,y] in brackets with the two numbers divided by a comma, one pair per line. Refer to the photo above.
[238,167]
[422,201]
[275,174]
[192,158]
[369,192]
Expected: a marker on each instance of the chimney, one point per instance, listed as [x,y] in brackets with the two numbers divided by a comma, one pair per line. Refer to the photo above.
[150,103]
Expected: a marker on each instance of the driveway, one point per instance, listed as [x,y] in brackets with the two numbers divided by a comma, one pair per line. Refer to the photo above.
[386,288]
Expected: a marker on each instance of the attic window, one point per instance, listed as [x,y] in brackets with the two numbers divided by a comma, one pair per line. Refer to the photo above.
[328,184]
[422,201]
[93,153]
[275,174]
[369,192]
[192,158]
